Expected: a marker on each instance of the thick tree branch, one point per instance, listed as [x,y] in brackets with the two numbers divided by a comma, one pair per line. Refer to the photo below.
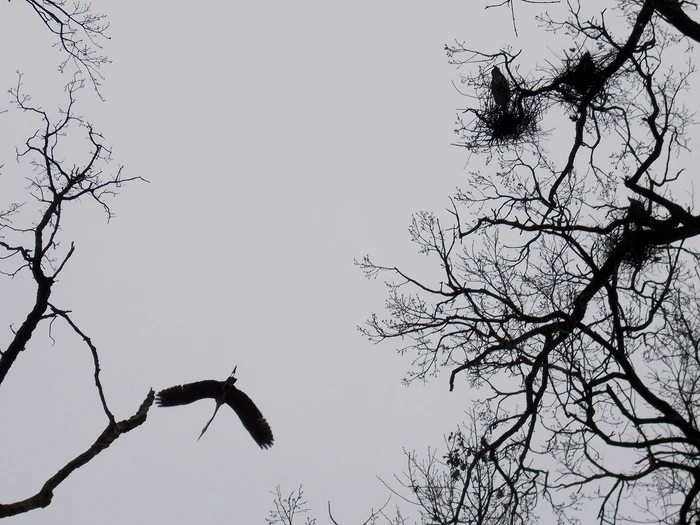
[672,12]
[109,435]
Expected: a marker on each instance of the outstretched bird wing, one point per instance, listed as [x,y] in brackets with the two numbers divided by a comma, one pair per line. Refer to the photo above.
[251,417]
[189,393]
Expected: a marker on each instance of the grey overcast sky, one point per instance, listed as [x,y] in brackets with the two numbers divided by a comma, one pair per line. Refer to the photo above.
[281,141]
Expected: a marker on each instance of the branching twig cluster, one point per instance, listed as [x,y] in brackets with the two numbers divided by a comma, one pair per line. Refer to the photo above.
[79,31]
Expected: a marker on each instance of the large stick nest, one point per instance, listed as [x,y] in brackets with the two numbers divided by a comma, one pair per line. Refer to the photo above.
[627,240]
[496,126]
[505,118]
[579,74]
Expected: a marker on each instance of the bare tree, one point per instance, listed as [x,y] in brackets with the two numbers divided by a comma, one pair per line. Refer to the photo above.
[32,246]
[439,487]
[288,509]
[32,242]
[568,291]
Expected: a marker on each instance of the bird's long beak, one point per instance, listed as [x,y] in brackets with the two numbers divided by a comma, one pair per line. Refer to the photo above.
[209,423]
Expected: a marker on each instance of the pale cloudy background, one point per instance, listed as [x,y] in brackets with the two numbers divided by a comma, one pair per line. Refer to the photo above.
[281,141]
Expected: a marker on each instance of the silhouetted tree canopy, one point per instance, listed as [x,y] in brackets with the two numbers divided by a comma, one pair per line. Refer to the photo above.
[566,286]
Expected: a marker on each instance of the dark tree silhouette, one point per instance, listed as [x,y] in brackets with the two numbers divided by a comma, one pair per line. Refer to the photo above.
[221,392]
[568,292]
[31,246]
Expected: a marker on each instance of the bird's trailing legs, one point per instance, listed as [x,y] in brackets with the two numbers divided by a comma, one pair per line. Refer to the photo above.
[209,423]
[219,401]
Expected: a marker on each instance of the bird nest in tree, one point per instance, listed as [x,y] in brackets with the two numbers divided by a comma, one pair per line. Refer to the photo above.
[511,124]
[631,249]
[496,126]
[506,118]
[579,75]
[627,243]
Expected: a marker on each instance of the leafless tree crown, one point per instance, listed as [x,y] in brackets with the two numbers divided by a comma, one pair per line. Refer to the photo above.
[33,244]
[568,293]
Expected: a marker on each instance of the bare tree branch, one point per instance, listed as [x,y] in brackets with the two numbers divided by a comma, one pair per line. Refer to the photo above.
[53,186]
[113,431]
[79,31]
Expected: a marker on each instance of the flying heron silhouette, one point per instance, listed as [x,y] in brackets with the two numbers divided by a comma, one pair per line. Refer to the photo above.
[222,392]
[500,90]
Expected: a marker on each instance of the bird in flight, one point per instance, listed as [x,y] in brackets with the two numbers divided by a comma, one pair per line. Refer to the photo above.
[222,392]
